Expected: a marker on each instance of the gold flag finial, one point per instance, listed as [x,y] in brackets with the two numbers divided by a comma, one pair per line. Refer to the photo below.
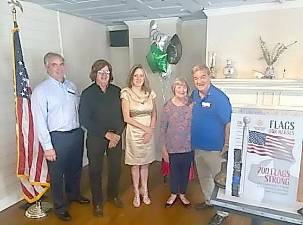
[14,4]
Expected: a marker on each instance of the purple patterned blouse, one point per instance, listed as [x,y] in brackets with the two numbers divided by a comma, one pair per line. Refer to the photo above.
[175,127]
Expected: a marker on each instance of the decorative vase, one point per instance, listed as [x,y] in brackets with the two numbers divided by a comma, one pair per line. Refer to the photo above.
[212,64]
[212,71]
[269,72]
[229,70]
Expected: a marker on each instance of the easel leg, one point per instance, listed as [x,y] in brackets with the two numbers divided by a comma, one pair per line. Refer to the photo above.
[256,221]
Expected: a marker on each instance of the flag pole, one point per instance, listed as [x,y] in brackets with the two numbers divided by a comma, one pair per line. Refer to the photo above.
[39,209]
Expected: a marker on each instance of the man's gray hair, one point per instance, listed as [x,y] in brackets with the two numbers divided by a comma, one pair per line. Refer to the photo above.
[50,55]
[200,68]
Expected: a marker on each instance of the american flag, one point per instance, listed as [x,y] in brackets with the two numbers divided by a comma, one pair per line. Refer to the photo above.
[271,145]
[31,167]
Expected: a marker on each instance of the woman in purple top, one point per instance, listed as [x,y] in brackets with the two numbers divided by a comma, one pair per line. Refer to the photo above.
[176,140]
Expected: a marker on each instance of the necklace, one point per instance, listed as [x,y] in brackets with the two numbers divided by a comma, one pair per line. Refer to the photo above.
[140,100]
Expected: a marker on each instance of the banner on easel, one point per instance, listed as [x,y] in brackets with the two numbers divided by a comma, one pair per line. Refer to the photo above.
[265,158]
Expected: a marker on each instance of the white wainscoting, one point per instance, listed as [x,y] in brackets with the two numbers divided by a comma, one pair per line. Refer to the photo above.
[284,94]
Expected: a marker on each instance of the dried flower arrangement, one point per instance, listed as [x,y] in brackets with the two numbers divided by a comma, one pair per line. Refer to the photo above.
[271,57]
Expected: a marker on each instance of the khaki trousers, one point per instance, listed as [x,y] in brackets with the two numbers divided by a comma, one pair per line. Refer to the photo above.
[208,164]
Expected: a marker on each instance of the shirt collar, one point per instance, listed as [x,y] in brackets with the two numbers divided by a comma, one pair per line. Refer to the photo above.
[99,89]
[209,91]
[55,81]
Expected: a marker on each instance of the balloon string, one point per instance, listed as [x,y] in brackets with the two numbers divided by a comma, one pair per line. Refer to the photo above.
[165,82]
[164,88]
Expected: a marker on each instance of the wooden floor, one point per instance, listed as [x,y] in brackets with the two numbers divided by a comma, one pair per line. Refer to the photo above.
[155,214]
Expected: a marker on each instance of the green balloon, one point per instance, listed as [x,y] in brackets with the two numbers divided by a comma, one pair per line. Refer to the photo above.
[157,59]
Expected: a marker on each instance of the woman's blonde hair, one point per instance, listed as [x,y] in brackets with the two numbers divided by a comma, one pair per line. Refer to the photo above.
[179,81]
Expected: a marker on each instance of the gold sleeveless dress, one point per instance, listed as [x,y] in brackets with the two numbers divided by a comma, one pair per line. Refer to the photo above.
[137,153]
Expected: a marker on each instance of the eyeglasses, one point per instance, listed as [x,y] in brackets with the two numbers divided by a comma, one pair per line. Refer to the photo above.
[103,72]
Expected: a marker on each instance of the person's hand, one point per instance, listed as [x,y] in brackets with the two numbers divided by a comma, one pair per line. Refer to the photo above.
[111,136]
[117,138]
[147,137]
[224,151]
[112,144]
[165,155]
[50,155]
[113,139]
[148,130]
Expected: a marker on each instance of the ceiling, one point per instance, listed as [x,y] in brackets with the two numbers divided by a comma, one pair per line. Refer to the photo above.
[114,12]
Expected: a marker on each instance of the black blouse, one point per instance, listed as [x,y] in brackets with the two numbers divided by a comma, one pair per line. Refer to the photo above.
[100,111]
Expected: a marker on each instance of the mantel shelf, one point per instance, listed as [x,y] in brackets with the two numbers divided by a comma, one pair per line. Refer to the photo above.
[263,93]
[259,84]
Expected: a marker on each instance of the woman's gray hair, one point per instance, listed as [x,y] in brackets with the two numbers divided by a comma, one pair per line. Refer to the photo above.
[179,81]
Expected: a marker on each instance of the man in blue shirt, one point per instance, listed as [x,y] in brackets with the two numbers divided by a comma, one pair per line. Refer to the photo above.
[210,133]
[55,104]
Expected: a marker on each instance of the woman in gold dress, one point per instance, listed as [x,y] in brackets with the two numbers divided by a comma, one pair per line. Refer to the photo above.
[139,112]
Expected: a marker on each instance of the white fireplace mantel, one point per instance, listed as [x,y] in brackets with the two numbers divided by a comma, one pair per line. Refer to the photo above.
[286,94]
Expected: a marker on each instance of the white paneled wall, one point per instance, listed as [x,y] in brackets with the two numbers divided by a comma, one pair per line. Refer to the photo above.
[41,30]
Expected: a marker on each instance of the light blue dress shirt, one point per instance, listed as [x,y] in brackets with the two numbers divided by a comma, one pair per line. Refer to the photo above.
[54,108]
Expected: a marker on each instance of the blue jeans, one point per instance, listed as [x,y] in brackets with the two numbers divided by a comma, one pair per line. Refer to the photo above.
[179,171]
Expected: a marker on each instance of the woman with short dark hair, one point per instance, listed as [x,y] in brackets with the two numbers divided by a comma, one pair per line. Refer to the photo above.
[100,113]
[99,64]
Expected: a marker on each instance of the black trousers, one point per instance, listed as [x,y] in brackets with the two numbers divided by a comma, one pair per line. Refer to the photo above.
[96,147]
[65,172]
[179,171]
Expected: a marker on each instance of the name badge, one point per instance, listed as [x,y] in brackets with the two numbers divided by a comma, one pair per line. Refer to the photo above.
[205,104]
[71,91]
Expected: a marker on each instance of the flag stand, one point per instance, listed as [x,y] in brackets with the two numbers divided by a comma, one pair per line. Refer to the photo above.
[39,209]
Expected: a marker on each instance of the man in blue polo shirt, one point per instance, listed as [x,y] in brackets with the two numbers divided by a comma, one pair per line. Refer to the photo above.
[210,133]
